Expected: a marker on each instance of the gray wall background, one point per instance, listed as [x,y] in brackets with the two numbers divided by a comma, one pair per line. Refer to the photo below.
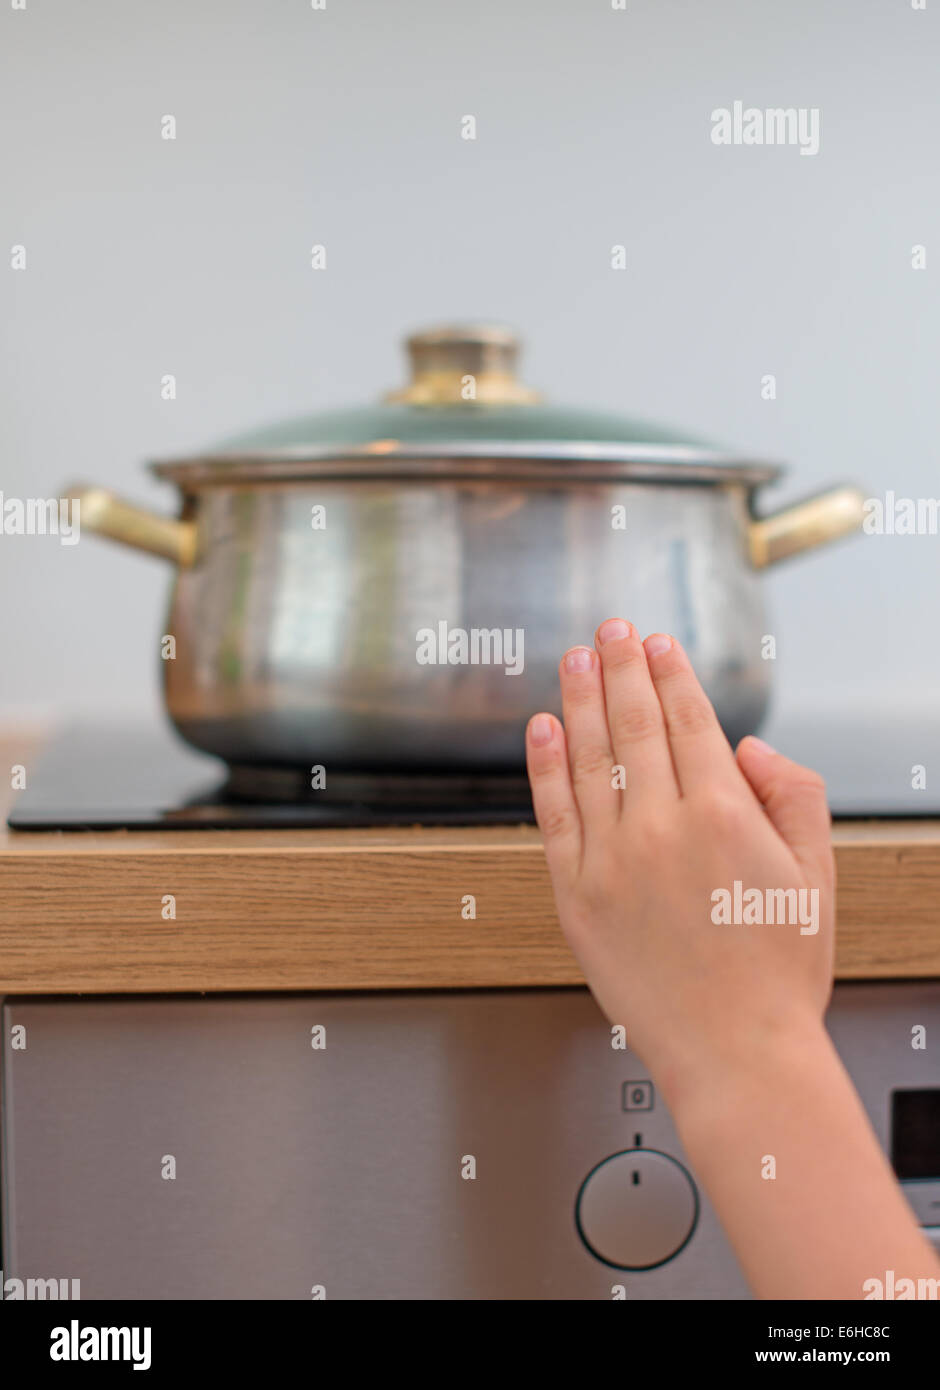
[342,127]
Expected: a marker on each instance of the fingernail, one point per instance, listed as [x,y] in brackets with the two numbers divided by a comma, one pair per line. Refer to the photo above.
[541,730]
[759,743]
[579,659]
[613,630]
[659,642]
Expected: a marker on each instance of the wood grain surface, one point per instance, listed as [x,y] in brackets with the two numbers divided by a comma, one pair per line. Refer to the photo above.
[366,908]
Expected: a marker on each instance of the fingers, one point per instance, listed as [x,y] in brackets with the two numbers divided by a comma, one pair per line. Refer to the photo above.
[552,793]
[639,706]
[634,714]
[794,798]
[590,756]
[701,754]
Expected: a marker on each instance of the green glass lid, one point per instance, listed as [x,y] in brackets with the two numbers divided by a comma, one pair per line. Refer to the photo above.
[465,412]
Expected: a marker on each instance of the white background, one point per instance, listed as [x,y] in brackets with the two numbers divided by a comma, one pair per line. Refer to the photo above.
[342,127]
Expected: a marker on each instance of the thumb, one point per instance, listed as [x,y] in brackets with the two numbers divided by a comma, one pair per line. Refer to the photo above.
[794,798]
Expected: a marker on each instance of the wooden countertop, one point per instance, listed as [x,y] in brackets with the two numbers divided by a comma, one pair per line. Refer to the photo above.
[82,912]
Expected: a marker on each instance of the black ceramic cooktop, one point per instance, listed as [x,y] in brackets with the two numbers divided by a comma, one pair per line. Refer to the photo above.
[100,778]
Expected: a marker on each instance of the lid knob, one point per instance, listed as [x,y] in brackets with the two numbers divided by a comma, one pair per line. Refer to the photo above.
[464,364]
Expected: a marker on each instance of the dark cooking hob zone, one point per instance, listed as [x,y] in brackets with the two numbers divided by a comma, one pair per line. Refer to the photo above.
[147,779]
[144,778]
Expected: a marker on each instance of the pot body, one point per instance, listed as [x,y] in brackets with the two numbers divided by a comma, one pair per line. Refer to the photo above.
[413,625]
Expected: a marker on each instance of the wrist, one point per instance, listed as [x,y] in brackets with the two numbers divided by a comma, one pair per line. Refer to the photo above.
[728,1076]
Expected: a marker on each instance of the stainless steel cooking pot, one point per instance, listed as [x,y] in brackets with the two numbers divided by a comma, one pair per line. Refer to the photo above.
[390,589]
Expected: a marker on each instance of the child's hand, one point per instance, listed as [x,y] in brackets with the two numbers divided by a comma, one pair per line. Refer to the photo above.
[726,1015]
[635,869]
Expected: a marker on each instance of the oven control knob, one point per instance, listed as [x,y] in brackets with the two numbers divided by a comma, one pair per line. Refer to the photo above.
[636,1209]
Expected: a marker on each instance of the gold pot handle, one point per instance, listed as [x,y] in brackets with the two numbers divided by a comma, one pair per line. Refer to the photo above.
[819,519]
[106,515]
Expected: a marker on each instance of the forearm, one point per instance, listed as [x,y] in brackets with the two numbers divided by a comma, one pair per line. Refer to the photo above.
[797,1177]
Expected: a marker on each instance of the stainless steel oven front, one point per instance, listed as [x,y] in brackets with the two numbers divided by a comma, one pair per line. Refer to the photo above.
[458,1145]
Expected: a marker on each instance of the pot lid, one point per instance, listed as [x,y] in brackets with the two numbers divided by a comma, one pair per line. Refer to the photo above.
[465,412]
